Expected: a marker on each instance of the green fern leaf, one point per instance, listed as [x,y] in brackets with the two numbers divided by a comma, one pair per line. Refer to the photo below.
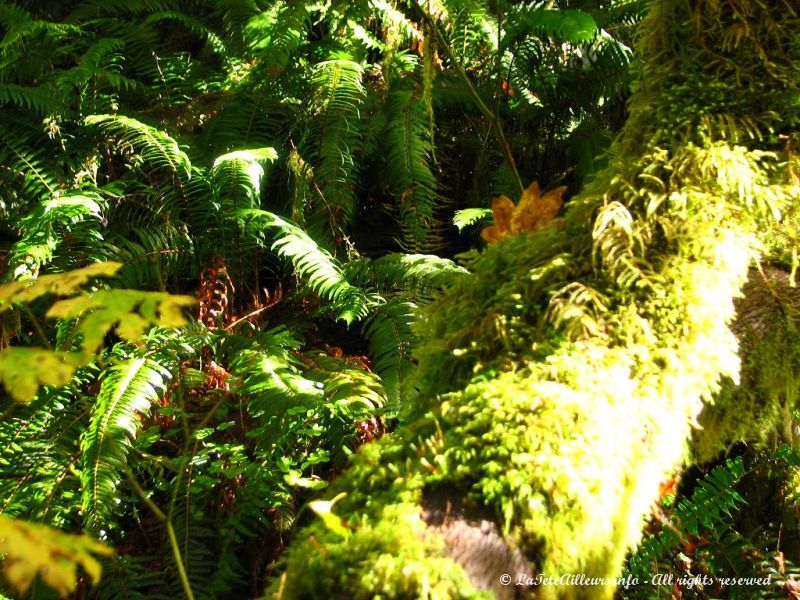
[469,216]
[322,271]
[273,36]
[44,230]
[335,134]
[238,174]
[156,148]
[128,391]
[711,507]
[391,342]
[420,274]
[568,25]
[409,151]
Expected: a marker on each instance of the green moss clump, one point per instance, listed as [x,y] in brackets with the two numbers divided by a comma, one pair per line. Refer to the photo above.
[391,556]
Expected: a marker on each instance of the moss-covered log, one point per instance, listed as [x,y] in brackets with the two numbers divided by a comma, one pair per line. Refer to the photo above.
[562,380]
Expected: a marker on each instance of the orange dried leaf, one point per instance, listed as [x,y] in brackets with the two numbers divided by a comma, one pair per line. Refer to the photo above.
[491,234]
[535,210]
[522,219]
[503,210]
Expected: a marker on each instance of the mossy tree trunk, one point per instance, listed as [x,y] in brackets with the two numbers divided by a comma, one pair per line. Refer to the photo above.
[561,380]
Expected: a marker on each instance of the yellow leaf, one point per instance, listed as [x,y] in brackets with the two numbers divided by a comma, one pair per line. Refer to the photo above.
[23,370]
[60,284]
[32,550]
[131,312]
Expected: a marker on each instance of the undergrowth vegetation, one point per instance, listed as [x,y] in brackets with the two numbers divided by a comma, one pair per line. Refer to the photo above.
[241,243]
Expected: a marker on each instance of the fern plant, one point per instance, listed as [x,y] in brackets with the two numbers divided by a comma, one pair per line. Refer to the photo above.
[717,541]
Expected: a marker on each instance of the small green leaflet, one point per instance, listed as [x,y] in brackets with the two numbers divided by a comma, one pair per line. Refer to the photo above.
[469,216]
[324,508]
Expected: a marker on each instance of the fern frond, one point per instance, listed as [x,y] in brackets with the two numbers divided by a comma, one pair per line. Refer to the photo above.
[150,256]
[349,386]
[154,147]
[127,392]
[421,274]
[77,214]
[470,216]
[238,175]
[322,271]
[89,9]
[42,99]
[272,379]
[408,151]
[25,173]
[19,27]
[236,13]
[391,343]
[40,441]
[274,35]
[248,121]
[710,508]
[564,25]
[335,135]
[192,24]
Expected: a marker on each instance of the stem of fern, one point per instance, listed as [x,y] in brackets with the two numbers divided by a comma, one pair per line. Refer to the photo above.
[485,110]
[173,540]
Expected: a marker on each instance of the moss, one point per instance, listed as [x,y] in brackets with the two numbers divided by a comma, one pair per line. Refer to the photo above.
[561,380]
[392,556]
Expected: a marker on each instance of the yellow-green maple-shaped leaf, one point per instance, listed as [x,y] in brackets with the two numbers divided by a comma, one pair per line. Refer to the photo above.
[503,211]
[535,210]
[23,370]
[129,312]
[33,550]
[60,284]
